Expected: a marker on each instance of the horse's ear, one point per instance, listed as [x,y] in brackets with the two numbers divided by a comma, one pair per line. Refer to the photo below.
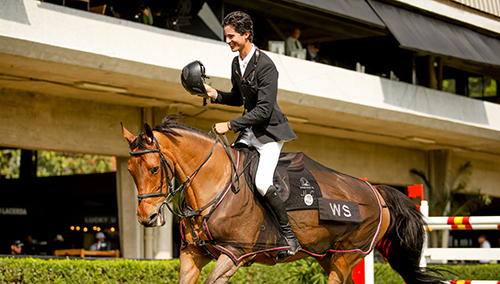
[149,132]
[128,136]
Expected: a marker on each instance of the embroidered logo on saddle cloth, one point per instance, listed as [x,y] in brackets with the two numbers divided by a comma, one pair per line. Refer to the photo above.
[339,211]
[308,190]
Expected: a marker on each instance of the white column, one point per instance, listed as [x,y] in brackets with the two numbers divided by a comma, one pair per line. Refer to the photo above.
[130,230]
[163,239]
[148,243]
[424,209]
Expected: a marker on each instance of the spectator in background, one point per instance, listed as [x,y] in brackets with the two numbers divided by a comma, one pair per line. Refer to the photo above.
[145,14]
[312,52]
[101,242]
[16,248]
[30,247]
[292,43]
[314,55]
[132,10]
[483,243]
[58,243]
[159,18]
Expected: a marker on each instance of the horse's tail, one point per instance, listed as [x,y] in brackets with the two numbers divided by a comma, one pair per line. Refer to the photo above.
[402,244]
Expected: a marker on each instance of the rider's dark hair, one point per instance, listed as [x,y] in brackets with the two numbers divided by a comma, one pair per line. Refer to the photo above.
[241,22]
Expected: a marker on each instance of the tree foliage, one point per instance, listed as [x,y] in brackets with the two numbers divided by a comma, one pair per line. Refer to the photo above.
[58,164]
[10,161]
[51,163]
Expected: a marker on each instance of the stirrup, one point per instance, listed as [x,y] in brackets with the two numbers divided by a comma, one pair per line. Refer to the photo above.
[286,253]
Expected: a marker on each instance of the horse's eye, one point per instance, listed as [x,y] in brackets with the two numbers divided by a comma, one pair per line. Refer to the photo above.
[154,170]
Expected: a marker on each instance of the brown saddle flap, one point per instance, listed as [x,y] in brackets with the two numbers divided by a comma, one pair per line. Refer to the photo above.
[292,161]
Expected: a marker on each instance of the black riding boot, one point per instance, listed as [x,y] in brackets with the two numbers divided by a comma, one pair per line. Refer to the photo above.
[276,204]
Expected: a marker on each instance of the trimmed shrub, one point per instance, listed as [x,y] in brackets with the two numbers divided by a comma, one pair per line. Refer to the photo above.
[36,270]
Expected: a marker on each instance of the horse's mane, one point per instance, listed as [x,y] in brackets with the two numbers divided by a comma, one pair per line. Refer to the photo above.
[169,124]
[168,127]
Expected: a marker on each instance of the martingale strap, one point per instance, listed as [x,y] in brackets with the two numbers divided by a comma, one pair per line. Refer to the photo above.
[189,212]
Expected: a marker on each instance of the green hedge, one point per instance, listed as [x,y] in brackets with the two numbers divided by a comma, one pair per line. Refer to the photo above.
[35,270]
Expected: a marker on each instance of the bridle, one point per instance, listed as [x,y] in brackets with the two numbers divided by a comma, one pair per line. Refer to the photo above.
[172,191]
[164,164]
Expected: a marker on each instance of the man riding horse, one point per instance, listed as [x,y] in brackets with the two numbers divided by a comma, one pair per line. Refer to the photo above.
[263,125]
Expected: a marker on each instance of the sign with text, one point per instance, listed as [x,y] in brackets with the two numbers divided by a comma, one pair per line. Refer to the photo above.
[13,211]
[100,220]
[339,211]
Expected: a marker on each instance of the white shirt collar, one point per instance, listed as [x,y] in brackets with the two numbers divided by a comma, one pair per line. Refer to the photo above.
[244,62]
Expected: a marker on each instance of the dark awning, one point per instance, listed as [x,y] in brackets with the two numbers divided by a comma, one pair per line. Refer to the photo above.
[357,10]
[422,33]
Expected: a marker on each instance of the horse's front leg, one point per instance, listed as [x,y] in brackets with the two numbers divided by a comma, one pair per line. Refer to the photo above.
[223,269]
[192,260]
[341,266]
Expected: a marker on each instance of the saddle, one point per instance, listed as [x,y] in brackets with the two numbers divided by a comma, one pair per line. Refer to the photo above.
[295,183]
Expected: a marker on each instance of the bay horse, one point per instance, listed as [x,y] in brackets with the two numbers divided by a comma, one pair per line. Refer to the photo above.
[223,220]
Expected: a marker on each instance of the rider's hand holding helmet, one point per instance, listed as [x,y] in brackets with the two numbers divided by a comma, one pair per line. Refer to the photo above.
[211,92]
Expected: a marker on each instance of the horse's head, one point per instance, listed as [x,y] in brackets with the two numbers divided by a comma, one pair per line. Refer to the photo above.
[151,173]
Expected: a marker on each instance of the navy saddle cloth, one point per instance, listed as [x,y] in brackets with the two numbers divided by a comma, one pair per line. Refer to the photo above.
[295,183]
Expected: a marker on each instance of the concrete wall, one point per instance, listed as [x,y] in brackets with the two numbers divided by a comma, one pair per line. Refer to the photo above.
[378,163]
[43,122]
[483,177]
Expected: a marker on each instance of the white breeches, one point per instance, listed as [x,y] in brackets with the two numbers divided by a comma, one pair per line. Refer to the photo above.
[269,156]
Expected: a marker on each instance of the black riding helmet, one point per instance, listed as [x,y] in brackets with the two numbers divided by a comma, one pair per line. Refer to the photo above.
[192,78]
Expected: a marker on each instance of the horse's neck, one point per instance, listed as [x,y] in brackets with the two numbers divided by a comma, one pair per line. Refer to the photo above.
[213,175]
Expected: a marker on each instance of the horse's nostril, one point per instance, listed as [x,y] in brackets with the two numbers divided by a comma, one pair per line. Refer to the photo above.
[152,218]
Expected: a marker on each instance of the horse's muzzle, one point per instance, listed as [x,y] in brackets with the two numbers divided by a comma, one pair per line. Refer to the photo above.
[154,219]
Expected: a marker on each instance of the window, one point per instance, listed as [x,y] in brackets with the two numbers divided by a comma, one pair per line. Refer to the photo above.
[450,86]
[482,87]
